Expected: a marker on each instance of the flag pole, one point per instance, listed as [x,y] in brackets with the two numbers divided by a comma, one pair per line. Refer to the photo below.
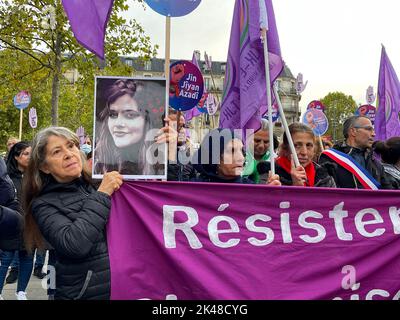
[268,84]
[167,74]
[20,123]
[286,127]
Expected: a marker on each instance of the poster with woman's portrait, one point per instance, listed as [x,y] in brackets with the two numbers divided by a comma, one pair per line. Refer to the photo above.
[129,112]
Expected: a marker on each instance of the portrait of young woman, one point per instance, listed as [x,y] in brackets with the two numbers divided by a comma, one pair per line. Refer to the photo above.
[127,114]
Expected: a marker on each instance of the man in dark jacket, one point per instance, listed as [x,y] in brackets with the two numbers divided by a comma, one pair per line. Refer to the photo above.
[359,134]
[10,219]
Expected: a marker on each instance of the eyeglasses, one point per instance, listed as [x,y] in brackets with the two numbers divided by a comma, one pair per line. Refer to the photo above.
[368,128]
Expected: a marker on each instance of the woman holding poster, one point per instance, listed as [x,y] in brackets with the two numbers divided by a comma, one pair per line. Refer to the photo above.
[63,207]
[124,117]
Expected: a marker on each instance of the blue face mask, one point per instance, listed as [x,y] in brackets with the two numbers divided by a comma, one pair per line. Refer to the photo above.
[86,148]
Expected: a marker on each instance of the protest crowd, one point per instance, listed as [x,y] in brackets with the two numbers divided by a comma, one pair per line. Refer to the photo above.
[59,191]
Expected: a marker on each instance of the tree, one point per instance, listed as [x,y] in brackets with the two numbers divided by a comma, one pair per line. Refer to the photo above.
[39,30]
[339,107]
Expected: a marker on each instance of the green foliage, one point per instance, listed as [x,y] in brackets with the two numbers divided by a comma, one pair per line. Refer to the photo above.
[339,107]
[29,51]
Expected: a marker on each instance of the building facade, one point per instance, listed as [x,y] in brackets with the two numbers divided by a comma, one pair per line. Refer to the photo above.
[214,82]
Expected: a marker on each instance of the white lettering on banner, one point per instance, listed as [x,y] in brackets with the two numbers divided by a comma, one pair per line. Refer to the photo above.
[349,283]
[250,224]
[315,226]
[170,227]
[285,223]
[395,217]
[337,214]
[360,224]
[214,232]
[349,280]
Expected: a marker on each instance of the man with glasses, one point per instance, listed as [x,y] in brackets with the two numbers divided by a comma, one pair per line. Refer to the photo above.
[351,163]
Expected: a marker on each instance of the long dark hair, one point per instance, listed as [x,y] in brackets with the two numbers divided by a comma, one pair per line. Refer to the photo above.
[108,156]
[35,180]
[389,150]
[15,151]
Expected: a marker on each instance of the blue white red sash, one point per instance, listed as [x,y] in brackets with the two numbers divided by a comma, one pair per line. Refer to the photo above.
[347,162]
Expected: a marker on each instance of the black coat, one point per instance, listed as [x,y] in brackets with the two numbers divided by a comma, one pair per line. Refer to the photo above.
[72,218]
[10,219]
[345,179]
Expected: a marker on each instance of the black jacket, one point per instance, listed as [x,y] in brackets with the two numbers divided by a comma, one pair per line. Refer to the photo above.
[345,179]
[10,219]
[322,178]
[72,218]
[16,243]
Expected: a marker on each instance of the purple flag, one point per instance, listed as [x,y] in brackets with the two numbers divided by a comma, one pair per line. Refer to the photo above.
[177,240]
[245,88]
[387,123]
[88,20]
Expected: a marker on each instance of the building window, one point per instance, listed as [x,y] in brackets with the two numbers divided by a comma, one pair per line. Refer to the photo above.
[129,62]
[147,65]
[223,68]
[207,83]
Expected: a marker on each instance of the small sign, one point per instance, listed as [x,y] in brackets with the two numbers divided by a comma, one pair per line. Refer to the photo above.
[317,121]
[275,112]
[32,118]
[212,105]
[22,100]
[367,111]
[173,8]
[186,86]
[316,104]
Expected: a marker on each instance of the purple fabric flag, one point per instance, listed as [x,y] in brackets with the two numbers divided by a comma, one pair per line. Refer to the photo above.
[245,88]
[176,240]
[88,20]
[194,112]
[387,123]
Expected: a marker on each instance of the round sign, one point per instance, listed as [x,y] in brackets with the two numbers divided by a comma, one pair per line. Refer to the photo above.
[316,105]
[317,121]
[275,113]
[22,100]
[173,8]
[367,111]
[186,86]
[202,105]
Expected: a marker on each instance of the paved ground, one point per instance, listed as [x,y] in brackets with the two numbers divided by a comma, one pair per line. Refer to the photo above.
[33,292]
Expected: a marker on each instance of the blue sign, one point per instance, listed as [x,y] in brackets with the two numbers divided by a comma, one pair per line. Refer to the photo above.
[173,8]
[22,100]
[317,121]
[275,113]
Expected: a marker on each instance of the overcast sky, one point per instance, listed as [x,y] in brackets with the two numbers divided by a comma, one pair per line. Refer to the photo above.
[336,44]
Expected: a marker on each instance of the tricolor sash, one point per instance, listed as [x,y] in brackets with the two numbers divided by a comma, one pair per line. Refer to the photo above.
[347,162]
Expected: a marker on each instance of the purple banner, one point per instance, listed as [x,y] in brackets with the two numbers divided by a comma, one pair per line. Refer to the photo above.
[387,122]
[88,20]
[245,89]
[171,240]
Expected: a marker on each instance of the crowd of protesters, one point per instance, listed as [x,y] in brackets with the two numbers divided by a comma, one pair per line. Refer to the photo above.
[47,183]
